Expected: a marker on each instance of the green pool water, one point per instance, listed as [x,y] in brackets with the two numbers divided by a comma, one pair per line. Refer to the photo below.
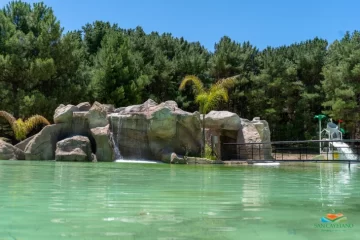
[52,200]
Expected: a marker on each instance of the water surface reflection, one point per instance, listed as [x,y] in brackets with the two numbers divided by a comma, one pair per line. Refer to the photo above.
[49,200]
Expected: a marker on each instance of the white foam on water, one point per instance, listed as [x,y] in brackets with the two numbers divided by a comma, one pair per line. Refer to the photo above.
[267,164]
[137,161]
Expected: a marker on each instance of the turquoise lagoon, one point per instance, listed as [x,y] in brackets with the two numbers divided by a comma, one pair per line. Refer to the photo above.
[54,200]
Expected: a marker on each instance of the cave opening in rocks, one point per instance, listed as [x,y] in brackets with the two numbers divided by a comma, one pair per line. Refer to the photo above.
[235,151]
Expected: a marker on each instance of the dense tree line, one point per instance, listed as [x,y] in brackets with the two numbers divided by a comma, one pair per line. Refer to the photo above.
[41,67]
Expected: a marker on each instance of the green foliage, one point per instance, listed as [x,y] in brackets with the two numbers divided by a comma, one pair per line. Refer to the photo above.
[208,153]
[19,128]
[208,99]
[8,117]
[287,90]
[198,85]
[35,57]
[22,128]
[231,58]
[41,67]
[117,77]
[341,80]
[31,34]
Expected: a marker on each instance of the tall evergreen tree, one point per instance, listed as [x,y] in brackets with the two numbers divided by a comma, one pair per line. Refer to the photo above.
[38,65]
[341,84]
[117,78]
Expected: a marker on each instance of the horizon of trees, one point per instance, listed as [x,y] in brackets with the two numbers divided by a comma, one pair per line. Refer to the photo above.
[41,67]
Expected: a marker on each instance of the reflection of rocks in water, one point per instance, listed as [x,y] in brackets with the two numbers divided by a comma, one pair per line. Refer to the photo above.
[194,193]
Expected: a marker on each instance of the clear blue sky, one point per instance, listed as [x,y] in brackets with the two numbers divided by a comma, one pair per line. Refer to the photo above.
[262,22]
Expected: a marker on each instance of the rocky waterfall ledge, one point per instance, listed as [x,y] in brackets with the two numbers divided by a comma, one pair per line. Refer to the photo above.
[148,131]
[155,131]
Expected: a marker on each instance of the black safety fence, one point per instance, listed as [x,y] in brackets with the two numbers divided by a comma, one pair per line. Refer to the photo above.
[313,150]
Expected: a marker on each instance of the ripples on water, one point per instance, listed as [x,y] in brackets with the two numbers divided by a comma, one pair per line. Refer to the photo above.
[49,200]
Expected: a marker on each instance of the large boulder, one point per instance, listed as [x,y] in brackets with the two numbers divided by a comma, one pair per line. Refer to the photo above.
[104,146]
[80,124]
[97,115]
[171,104]
[22,145]
[109,108]
[10,152]
[224,126]
[250,136]
[263,129]
[76,148]
[63,114]
[140,108]
[145,107]
[42,145]
[152,131]
[223,120]
[162,123]
[188,132]
[250,132]
[84,106]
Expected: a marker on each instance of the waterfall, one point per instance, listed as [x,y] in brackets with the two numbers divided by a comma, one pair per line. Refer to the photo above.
[115,138]
[345,150]
[116,141]
[118,133]
[116,148]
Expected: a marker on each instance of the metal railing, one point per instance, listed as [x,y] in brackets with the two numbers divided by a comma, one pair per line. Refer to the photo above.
[293,151]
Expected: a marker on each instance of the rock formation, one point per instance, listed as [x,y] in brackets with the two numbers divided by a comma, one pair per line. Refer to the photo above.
[148,131]
[10,152]
[228,127]
[75,148]
[84,106]
[104,144]
[155,131]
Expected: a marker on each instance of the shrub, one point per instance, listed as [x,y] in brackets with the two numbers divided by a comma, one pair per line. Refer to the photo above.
[22,128]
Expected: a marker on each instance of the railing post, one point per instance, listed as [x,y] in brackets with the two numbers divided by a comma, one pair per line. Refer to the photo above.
[252,151]
[327,152]
[238,151]
[221,151]
[275,154]
[260,158]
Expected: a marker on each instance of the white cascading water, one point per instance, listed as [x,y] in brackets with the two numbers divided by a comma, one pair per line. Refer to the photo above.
[346,150]
[116,149]
[118,136]
[115,143]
